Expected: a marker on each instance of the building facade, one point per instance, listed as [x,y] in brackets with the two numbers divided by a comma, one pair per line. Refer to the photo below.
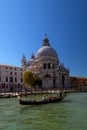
[78,83]
[10,78]
[47,66]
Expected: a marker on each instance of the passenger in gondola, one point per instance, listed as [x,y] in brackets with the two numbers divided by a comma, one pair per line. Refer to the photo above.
[19,97]
[43,98]
[61,94]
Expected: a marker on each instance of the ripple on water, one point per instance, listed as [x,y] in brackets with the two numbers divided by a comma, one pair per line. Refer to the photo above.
[68,115]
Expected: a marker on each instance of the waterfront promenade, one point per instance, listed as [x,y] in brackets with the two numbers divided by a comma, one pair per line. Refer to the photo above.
[34,92]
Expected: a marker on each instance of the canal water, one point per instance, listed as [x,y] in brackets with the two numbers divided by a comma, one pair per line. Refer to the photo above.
[70,114]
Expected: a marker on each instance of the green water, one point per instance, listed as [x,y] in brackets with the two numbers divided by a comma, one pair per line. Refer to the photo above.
[70,114]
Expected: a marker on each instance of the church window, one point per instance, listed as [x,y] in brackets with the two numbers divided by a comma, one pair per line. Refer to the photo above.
[44,66]
[53,66]
[47,76]
[49,66]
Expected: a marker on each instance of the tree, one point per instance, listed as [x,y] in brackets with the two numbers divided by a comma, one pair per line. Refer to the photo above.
[31,79]
[37,80]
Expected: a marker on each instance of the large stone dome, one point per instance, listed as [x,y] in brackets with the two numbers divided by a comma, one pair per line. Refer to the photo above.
[46,50]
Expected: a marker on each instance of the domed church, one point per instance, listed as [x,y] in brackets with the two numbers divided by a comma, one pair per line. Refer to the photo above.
[47,66]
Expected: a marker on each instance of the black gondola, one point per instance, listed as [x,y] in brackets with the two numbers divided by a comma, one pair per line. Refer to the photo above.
[45,101]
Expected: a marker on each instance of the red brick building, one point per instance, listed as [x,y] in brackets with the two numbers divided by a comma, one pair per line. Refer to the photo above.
[78,83]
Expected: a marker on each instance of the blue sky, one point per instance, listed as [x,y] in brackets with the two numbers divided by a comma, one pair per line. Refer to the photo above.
[23,24]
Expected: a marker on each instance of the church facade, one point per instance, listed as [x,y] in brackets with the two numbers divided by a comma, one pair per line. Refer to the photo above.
[47,66]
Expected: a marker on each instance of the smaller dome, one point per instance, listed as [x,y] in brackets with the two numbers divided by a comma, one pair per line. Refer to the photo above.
[31,61]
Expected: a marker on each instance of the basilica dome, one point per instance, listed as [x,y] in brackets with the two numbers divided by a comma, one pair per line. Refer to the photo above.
[46,50]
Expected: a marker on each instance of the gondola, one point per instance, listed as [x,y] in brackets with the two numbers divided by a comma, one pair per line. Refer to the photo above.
[45,101]
[5,96]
